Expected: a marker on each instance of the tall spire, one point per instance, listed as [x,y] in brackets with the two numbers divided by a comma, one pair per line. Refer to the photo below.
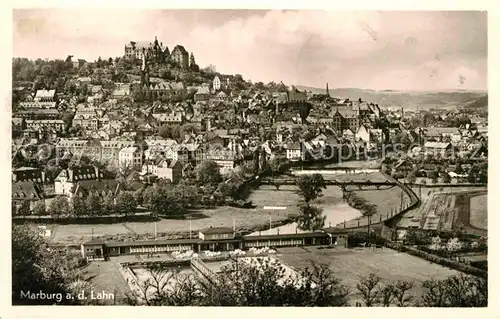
[327,91]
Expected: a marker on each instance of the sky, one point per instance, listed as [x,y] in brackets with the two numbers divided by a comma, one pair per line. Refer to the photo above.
[405,50]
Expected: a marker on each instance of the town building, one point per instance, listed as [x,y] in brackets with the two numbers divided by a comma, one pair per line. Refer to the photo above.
[295,96]
[99,188]
[28,174]
[32,113]
[293,151]
[130,157]
[169,170]
[65,182]
[86,117]
[180,56]
[215,233]
[441,148]
[38,105]
[220,83]
[45,96]
[169,118]
[369,135]
[57,125]
[154,51]
[344,119]
[203,94]
[442,134]
[25,192]
[212,239]
[224,158]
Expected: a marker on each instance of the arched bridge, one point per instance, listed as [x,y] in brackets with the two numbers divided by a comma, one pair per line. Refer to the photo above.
[340,183]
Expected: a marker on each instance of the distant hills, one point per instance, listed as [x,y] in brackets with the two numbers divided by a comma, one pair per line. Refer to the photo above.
[481,102]
[409,99]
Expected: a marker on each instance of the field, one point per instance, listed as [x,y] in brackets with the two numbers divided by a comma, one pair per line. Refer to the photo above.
[479,211]
[348,265]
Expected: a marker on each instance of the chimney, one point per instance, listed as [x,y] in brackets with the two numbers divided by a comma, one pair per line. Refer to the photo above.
[327,91]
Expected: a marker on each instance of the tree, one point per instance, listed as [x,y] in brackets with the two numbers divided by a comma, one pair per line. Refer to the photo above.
[456,291]
[400,292]
[208,173]
[310,186]
[139,196]
[411,177]
[126,203]
[453,245]
[387,294]
[93,204]
[278,163]
[78,207]
[311,218]
[170,288]
[436,243]
[161,201]
[367,287]
[446,178]
[39,208]
[433,175]
[228,189]
[264,282]
[107,205]
[59,207]
[35,269]
[24,208]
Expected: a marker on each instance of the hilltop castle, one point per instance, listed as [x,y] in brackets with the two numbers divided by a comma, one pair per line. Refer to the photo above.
[157,52]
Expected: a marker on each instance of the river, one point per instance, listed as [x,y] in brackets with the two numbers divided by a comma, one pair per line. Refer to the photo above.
[335,209]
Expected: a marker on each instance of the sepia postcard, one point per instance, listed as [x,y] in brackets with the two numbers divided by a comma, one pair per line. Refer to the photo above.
[248,158]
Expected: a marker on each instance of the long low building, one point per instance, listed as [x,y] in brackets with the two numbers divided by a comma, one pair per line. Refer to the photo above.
[213,239]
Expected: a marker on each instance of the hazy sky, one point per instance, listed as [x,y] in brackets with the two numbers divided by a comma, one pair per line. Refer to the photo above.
[424,50]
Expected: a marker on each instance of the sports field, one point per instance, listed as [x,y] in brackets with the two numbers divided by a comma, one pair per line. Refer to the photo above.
[348,265]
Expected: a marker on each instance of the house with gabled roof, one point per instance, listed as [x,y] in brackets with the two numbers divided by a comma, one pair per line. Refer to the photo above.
[99,188]
[25,192]
[65,182]
[45,96]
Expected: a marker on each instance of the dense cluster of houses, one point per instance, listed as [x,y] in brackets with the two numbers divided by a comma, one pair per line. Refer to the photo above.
[221,122]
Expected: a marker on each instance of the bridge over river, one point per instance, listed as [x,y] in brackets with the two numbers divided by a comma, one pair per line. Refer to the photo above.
[342,183]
